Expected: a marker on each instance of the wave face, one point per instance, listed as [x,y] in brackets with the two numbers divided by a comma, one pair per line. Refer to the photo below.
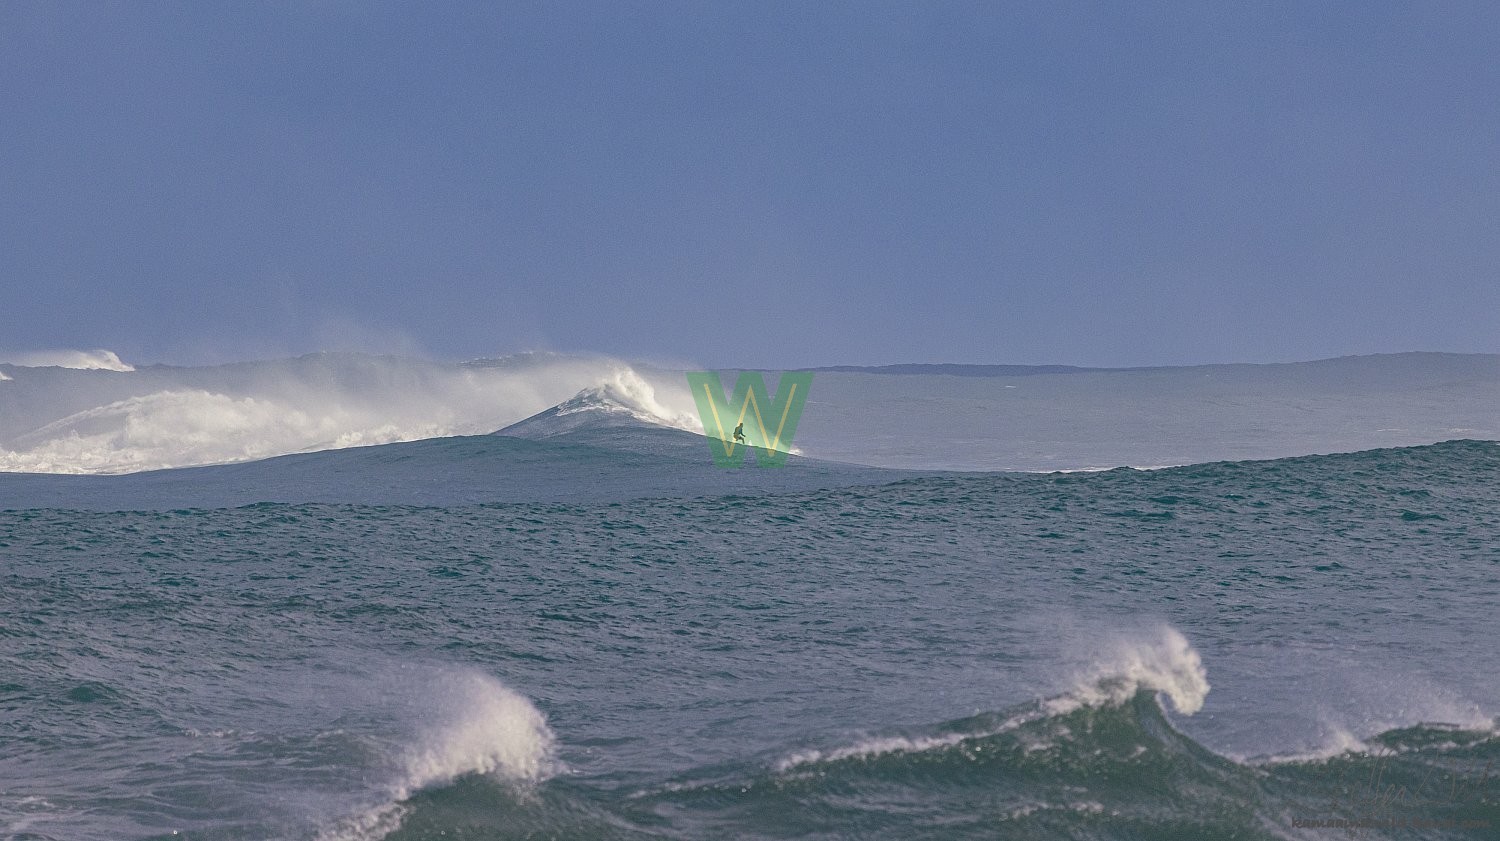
[1298,649]
[116,419]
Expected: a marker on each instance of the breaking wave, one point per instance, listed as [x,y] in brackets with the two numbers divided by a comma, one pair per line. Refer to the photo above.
[60,421]
[1163,664]
[1101,761]
[84,360]
[485,729]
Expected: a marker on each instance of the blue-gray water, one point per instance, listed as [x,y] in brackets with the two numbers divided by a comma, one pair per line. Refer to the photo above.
[1000,656]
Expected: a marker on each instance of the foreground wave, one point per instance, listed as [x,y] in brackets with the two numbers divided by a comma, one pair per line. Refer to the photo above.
[485,730]
[1101,762]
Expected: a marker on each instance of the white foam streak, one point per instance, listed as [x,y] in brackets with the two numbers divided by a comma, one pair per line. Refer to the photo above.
[174,428]
[372,825]
[883,745]
[164,418]
[1338,742]
[87,360]
[497,733]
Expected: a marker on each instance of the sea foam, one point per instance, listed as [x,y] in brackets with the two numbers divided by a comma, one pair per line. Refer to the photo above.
[1163,662]
[157,418]
[482,728]
[491,729]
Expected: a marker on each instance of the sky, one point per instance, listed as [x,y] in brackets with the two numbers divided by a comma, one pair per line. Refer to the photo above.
[751,185]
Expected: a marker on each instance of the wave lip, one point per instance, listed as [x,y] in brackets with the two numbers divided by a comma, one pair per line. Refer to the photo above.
[487,730]
[498,733]
[1161,664]
[1165,663]
[623,399]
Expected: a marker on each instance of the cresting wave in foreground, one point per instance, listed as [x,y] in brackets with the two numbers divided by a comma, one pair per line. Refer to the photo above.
[1101,762]
[483,729]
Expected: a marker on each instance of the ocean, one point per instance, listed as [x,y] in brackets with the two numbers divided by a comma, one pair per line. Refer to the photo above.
[618,641]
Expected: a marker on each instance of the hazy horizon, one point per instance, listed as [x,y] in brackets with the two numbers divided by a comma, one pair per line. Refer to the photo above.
[107,360]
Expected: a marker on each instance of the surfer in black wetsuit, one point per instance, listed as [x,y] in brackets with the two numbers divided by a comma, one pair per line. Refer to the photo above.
[739,433]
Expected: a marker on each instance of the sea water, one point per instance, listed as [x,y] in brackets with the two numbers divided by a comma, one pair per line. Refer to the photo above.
[1297,648]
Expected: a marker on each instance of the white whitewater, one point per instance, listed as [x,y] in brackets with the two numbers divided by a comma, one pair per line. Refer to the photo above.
[82,360]
[1163,662]
[481,727]
[54,420]
[624,399]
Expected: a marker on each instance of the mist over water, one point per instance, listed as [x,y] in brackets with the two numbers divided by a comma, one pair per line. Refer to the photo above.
[122,420]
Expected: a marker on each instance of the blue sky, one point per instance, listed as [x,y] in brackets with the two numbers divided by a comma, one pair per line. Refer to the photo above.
[751,184]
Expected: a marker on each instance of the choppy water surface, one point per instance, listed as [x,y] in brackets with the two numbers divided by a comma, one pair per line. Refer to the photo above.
[1235,650]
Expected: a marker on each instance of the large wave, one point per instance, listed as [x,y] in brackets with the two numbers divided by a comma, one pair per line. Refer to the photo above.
[58,420]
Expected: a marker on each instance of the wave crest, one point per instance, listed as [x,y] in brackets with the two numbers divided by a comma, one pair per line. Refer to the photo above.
[86,360]
[498,733]
[1164,662]
[157,418]
[486,729]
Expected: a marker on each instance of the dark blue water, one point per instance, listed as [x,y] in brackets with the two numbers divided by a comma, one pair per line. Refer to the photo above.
[1243,650]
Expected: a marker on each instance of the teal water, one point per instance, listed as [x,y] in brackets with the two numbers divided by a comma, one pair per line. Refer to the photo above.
[1249,650]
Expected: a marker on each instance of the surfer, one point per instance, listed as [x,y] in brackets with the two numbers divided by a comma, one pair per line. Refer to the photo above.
[739,433]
